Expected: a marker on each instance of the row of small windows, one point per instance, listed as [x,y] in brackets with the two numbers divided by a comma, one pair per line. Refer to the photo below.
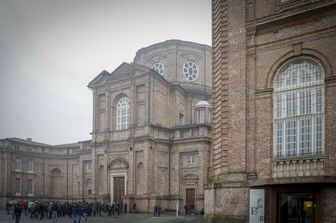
[298,114]
[18,165]
[190,69]
[19,147]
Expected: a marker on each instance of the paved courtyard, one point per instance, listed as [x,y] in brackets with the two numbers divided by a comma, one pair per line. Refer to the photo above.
[125,218]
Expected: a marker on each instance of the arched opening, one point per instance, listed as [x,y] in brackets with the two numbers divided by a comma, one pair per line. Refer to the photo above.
[56,183]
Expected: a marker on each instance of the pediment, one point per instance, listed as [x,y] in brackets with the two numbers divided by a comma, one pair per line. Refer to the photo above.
[100,79]
[127,70]
[119,163]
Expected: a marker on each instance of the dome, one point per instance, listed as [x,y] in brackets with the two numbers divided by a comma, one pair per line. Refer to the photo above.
[202,104]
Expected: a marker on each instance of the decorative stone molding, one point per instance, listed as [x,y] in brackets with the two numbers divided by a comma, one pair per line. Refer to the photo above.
[299,167]
[250,32]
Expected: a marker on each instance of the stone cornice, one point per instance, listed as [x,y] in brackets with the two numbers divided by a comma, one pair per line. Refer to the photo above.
[331,80]
[290,18]
[41,155]
[264,91]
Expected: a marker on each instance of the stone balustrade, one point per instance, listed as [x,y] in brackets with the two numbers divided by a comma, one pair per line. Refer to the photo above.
[299,167]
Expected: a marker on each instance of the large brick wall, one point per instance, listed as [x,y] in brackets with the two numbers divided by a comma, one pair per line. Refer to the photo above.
[251,41]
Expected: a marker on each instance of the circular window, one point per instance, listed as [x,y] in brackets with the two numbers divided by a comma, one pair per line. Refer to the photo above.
[190,70]
[158,67]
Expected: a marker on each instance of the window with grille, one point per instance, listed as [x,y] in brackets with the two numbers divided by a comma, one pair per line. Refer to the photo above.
[18,165]
[298,114]
[122,113]
[30,166]
[199,115]
[189,158]
[17,185]
[29,186]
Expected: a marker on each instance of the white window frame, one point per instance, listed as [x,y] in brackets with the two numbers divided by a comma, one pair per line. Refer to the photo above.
[181,118]
[200,113]
[189,159]
[32,187]
[122,117]
[18,165]
[88,166]
[30,167]
[298,109]
[158,67]
[18,185]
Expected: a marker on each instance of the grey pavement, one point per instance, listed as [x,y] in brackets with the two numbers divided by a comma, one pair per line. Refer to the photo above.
[127,218]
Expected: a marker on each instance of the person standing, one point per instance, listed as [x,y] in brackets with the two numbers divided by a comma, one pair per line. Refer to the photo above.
[134,207]
[125,208]
[17,213]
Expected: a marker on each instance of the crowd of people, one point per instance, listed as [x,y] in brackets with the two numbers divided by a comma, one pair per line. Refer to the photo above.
[76,210]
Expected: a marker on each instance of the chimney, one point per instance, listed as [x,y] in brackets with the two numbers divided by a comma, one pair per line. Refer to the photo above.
[29,139]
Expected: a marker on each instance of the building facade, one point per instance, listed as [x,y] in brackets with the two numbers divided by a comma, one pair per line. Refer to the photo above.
[150,142]
[273,156]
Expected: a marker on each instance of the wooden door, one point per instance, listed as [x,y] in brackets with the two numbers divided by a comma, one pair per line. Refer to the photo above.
[190,201]
[119,188]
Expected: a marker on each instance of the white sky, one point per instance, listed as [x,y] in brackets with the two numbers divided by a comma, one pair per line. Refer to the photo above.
[51,49]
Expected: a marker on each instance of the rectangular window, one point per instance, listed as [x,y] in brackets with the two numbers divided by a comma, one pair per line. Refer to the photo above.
[279,139]
[29,186]
[18,165]
[17,185]
[189,159]
[278,106]
[305,102]
[318,100]
[305,136]
[30,165]
[291,138]
[318,134]
[291,104]
[88,166]
[181,119]
[200,115]
[89,191]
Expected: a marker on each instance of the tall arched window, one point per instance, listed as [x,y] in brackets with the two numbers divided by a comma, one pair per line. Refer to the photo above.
[122,113]
[298,109]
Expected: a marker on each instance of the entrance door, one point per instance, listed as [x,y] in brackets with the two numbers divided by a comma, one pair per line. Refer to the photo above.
[190,201]
[296,207]
[118,188]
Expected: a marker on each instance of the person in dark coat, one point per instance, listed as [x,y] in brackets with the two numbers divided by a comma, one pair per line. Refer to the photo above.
[125,208]
[17,213]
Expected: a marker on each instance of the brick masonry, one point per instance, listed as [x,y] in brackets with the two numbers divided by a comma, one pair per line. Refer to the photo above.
[251,40]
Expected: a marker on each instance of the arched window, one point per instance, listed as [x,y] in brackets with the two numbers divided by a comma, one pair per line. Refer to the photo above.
[298,109]
[202,107]
[199,115]
[122,113]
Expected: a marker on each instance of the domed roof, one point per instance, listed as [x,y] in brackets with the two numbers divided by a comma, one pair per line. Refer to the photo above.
[202,104]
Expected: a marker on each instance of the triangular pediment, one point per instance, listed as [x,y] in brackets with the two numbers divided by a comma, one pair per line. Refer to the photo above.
[127,70]
[124,70]
[100,79]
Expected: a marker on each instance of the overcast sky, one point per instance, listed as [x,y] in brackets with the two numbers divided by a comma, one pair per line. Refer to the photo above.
[51,49]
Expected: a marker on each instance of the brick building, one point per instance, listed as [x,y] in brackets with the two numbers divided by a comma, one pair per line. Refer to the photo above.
[150,142]
[273,156]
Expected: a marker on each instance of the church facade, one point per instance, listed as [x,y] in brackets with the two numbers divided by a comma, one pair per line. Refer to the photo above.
[274,88]
[150,141]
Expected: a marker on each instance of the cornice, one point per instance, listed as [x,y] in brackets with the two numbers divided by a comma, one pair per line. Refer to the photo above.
[264,91]
[331,80]
[289,18]
[41,155]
